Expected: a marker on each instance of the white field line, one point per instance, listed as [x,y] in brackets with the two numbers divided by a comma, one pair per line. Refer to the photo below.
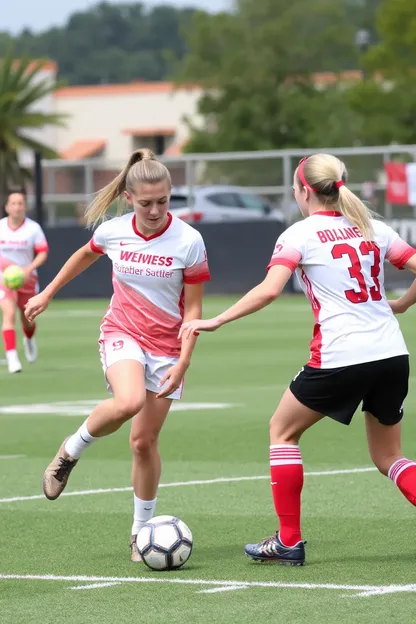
[362,589]
[12,456]
[217,590]
[323,473]
[96,585]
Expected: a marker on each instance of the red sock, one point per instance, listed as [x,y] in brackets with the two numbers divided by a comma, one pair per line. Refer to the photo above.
[286,471]
[9,339]
[29,332]
[403,473]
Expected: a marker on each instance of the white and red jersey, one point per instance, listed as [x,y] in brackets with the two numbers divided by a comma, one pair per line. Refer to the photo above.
[342,275]
[20,245]
[149,274]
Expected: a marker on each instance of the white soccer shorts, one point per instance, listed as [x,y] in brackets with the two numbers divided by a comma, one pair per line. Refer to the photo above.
[123,347]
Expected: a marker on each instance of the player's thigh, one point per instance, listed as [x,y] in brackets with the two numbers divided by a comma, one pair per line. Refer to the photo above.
[25,293]
[123,364]
[384,442]
[291,419]
[147,424]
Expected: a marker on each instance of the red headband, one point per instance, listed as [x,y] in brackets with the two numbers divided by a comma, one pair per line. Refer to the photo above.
[306,183]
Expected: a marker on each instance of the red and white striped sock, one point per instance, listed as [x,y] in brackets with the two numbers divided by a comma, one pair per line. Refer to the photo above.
[403,473]
[286,472]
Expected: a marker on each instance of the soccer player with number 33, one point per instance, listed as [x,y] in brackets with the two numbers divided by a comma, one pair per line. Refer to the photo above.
[358,354]
[159,270]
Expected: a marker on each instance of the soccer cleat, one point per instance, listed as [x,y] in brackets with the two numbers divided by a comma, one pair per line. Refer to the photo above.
[272,549]
[13,362]
[31,349]
[135,556]
[57,473]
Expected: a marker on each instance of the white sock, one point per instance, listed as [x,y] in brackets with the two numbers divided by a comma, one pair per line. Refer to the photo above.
[78,442]
[143,511]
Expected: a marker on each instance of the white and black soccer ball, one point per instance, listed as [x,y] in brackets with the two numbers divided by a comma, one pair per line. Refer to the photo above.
[165,543]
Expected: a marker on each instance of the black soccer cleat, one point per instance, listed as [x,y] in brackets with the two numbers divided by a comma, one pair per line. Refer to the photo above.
[272,549]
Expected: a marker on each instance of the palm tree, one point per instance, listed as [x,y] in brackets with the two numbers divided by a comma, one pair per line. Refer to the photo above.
[20,89]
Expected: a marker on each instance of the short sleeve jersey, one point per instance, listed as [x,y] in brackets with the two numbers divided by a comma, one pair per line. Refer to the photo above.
[342,275]
[20,245]
[149,274]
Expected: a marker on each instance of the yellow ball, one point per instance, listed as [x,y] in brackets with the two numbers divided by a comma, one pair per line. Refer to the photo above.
[13,277]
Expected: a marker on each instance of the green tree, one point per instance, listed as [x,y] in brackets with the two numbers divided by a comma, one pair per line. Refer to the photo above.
[386,102]
[256,67]
[21,88]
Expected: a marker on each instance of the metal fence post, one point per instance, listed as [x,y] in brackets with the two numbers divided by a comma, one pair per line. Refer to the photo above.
[388,207]
[287,183]
[190,182]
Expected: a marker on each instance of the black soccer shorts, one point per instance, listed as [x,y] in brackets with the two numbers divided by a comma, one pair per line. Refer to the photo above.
[381,386]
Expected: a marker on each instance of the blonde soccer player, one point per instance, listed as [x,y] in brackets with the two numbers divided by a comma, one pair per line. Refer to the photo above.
[22,243]
[159,269]
[357,353]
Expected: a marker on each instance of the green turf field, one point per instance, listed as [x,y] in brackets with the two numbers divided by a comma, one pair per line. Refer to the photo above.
[56,557]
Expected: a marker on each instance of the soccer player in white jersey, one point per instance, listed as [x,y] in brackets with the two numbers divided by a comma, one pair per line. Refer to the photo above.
[23,243]
[357,355]
[159,270]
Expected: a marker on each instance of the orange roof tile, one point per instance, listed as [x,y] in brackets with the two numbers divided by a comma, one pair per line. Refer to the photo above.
[119,89]
[146,132]
[176,149]
[83,149]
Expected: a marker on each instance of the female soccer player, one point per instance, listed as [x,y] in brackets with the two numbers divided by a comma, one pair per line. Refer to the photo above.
[357,352]
[22,242]
[159,266]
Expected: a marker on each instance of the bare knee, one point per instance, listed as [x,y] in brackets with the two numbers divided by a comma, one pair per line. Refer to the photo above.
[283,432]
[9,318]
[126,408]
[383,463]
[143,443]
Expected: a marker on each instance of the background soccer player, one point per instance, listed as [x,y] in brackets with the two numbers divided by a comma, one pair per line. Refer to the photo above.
[23,243]
[357,353]
[159,267]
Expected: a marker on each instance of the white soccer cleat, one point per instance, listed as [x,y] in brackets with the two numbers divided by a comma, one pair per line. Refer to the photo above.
[31,349]
[13,362]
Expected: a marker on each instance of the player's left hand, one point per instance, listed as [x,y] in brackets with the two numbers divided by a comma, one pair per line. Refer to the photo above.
[174,378]
[28,274]
[192,328]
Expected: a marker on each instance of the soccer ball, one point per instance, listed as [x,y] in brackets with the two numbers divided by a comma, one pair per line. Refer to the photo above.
[165,543]
[13,277]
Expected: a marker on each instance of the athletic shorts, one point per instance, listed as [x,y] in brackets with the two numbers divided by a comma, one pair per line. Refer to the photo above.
[381,386]
[22,295]
[116,348]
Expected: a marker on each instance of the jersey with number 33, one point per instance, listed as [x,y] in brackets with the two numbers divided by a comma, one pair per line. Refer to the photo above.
[342,275]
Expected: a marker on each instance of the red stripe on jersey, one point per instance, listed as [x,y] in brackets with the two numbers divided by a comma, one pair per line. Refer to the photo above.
[41,247]
[327,213]
[316,342]
[399,253]
[283,262]
[95,248]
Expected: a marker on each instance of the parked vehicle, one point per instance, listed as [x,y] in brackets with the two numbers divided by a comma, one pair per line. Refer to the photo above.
[221,203]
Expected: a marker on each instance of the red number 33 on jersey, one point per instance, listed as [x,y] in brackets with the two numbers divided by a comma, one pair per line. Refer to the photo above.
[355,270]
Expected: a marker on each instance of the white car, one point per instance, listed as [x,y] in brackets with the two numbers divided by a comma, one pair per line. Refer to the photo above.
[221,203]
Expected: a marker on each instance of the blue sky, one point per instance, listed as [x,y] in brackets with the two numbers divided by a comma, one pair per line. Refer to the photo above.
[41,14]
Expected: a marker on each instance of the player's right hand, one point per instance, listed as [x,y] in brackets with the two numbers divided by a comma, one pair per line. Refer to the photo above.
[36,305]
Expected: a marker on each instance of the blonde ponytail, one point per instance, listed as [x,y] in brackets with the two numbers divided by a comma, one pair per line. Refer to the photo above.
[325,175]
[142,167]
[357,213]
